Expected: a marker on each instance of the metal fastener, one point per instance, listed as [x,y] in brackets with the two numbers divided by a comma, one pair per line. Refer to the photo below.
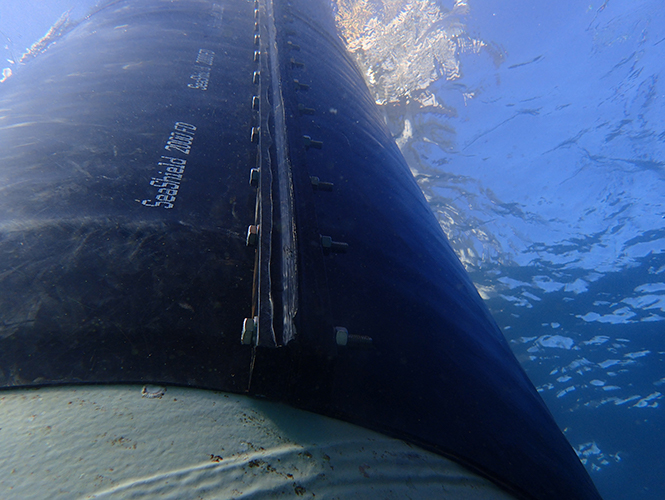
[342,338]
[334,246]
[249,330]
[252,235]
[321,186]
[296,64]
[254,176]
[341,335]
[311,143]
[300,86]
[305,110]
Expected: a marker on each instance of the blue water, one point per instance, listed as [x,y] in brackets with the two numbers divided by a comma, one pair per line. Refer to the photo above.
[23,22]
[571,147]
[537,132]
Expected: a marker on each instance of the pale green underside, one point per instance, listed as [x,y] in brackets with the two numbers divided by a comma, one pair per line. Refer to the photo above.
[113,442]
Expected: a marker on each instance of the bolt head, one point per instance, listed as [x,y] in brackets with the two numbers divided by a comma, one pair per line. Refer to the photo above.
[341,335]
[249,327]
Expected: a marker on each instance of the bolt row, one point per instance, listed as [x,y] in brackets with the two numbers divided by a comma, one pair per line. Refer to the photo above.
[249,335]
[298,70]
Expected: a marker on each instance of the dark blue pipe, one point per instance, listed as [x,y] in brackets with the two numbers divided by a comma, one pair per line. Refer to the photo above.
[124,216]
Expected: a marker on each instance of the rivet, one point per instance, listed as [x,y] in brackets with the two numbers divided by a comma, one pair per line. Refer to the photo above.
[292,46]
[257,55]
[255,134]
[255,102]
[256,77]
[256,13]
[311,143]
[249,330]
[252,235]
[257,39]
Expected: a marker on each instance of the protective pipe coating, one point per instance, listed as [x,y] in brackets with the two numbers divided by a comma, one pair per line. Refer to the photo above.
[127,152]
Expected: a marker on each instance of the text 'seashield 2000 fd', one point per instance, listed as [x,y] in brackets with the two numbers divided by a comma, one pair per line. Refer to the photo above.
[125,165]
